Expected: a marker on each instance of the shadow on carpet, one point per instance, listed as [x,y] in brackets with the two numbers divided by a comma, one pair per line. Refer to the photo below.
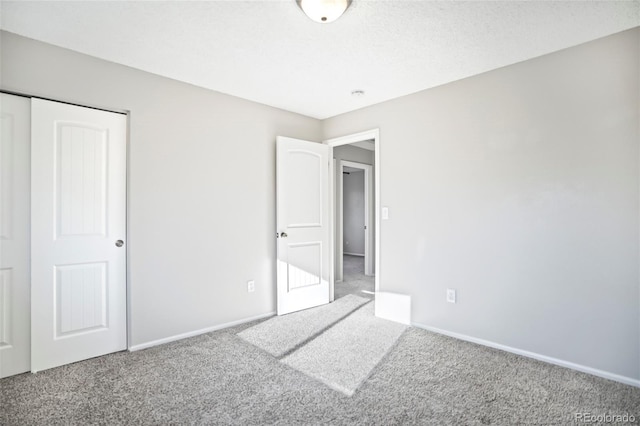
[338,344]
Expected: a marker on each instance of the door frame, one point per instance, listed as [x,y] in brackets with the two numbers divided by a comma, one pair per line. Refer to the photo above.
[368,210]
[367,135]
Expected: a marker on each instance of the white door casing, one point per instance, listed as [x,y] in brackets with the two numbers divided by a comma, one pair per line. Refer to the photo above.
[78,271]
[15,328]
[302,224]
[368,135]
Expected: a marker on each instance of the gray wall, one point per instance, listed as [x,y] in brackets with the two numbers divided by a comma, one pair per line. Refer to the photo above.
[353,212]
[353,153]
[199,225]
[520,189]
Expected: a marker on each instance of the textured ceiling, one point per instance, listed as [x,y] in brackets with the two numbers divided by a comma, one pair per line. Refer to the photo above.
[269,52]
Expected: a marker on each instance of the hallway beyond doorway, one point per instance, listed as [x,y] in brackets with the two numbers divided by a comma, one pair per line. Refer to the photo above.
[354,280]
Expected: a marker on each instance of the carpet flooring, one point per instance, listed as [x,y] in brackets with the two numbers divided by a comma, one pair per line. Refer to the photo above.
[220,379]
[345,355]
[354,281]
[282,334]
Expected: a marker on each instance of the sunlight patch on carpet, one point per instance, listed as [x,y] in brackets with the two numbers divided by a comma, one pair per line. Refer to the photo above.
[282,334]
[344,356]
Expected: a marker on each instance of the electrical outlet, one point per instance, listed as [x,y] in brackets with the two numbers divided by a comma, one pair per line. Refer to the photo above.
[451,295]
[251,286]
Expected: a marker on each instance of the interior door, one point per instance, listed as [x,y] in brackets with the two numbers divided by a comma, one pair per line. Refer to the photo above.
[302,224]
[78,271]
[15,330]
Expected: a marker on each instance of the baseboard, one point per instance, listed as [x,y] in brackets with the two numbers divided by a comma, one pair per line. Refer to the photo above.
[141,346]
[393,306]
[573,366]
[353,254]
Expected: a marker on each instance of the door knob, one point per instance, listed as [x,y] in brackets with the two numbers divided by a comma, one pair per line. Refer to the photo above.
[283,235]
[119,243]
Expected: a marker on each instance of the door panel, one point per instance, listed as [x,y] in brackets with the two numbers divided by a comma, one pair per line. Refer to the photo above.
[303,204]
[81,181]
[303,224]
[80,299]
[305,265]
[79,213]
[15,137]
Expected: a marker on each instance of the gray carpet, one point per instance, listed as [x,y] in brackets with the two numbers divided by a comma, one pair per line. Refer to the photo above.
[346,354]
[283,334]
[220,379]
[354,281]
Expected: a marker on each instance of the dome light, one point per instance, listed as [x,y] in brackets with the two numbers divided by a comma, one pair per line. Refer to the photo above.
[323,11]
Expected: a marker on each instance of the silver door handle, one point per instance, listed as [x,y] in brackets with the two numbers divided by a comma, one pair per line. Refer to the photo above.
[283,235]
[119,243]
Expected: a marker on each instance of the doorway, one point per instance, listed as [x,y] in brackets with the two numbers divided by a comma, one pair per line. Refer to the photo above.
[355,252]
[354,206]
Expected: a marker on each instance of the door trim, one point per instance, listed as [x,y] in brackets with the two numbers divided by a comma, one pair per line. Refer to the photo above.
[373,134]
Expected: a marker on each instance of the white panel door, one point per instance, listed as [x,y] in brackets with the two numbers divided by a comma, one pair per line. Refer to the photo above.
[15,326]
[302,224]
[78,271]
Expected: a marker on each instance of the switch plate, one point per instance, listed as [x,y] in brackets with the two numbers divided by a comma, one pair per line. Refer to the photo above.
[251,286]
[385,213]
[451,295]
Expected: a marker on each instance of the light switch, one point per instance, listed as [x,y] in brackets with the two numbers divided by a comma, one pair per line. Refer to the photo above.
[385,213]
[451,295]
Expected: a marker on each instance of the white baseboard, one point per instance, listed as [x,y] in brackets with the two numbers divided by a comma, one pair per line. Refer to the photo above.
[573,366]
[393,306]
[354,254]
[141,346]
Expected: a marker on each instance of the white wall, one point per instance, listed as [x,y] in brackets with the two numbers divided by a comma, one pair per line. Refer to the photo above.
[353,212]
[200,225]
[520,189]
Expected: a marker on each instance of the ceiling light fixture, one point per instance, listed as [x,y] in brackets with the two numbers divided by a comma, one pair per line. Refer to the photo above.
[324,11]
[357,93]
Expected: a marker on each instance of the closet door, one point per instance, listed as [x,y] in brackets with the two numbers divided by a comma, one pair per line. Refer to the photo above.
[14,234]
[78,303]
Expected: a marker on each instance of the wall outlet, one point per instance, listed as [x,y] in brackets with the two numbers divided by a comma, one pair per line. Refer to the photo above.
[251,286]
[451,295]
